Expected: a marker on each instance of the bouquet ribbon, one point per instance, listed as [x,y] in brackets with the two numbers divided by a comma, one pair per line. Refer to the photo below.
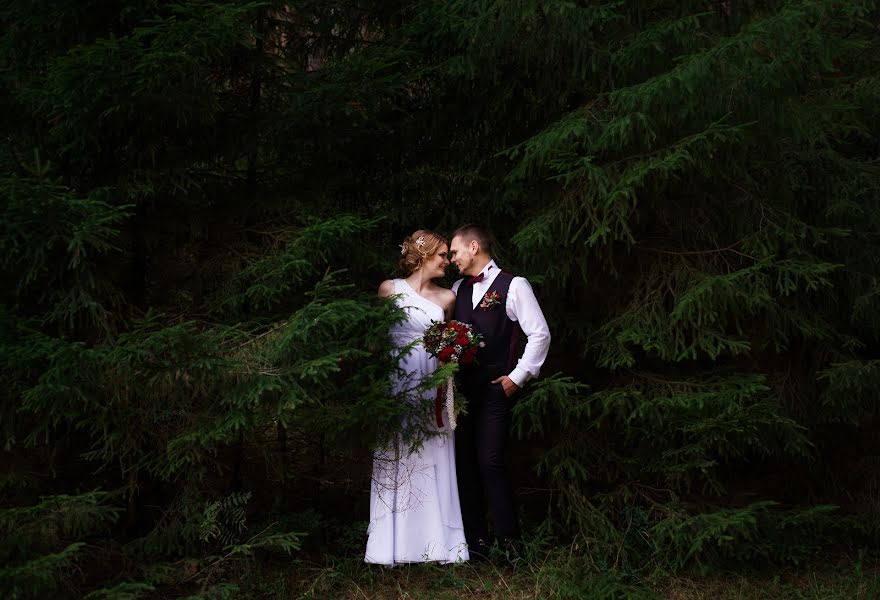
[445,402]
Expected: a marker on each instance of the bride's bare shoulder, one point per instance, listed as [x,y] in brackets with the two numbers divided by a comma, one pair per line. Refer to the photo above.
[386,288]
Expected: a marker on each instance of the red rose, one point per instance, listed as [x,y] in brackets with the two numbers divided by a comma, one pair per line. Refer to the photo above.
[445,355]
[462,339]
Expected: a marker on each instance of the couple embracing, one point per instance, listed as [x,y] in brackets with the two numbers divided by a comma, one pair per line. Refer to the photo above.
[430,505]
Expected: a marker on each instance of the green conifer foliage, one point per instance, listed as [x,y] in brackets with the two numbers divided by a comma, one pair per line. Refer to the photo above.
[714,192]
[200,198]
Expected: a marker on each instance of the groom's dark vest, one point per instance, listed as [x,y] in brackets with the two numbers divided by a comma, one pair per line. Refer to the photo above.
[500,333]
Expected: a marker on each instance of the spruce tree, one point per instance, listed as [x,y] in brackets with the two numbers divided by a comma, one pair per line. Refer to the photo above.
[199,199]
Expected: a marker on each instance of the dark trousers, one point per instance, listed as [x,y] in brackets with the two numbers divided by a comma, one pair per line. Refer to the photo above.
[481,441]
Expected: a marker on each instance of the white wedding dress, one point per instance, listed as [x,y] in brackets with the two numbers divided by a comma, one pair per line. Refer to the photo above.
[414,510]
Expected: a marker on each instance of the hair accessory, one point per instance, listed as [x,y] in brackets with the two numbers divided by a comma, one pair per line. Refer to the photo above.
[403,248]
[420,241]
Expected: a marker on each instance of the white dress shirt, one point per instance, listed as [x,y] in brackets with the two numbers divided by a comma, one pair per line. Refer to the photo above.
[521,306]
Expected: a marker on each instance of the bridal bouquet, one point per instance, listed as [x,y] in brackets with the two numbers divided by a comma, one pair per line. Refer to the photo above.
[452,341]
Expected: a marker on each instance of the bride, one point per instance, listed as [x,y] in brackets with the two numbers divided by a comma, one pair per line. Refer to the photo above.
[414,509]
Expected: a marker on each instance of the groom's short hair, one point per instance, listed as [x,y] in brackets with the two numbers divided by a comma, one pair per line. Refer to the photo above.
[472,231]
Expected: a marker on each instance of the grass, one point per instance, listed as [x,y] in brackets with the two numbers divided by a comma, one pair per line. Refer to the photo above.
[820,582]
[557,574]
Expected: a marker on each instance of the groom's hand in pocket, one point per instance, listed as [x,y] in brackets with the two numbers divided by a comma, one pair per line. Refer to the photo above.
[507,384]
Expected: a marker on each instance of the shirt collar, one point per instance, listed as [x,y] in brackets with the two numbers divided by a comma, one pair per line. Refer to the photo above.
[489,270]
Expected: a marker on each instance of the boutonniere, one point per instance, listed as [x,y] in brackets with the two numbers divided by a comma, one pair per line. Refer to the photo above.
[491,300]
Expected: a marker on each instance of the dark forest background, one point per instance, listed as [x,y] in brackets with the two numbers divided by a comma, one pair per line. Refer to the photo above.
[200,198]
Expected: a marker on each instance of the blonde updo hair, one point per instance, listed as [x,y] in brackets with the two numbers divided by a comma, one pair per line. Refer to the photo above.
[413,253]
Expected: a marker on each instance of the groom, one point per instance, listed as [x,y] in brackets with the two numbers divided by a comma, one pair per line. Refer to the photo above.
[501,307]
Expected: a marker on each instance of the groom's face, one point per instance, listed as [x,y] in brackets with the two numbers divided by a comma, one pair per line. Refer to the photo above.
[462,254]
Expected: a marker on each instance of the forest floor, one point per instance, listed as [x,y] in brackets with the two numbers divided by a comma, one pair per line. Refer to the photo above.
[554,575]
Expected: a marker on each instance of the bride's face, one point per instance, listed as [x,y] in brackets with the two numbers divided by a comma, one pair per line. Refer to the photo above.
[435,266]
